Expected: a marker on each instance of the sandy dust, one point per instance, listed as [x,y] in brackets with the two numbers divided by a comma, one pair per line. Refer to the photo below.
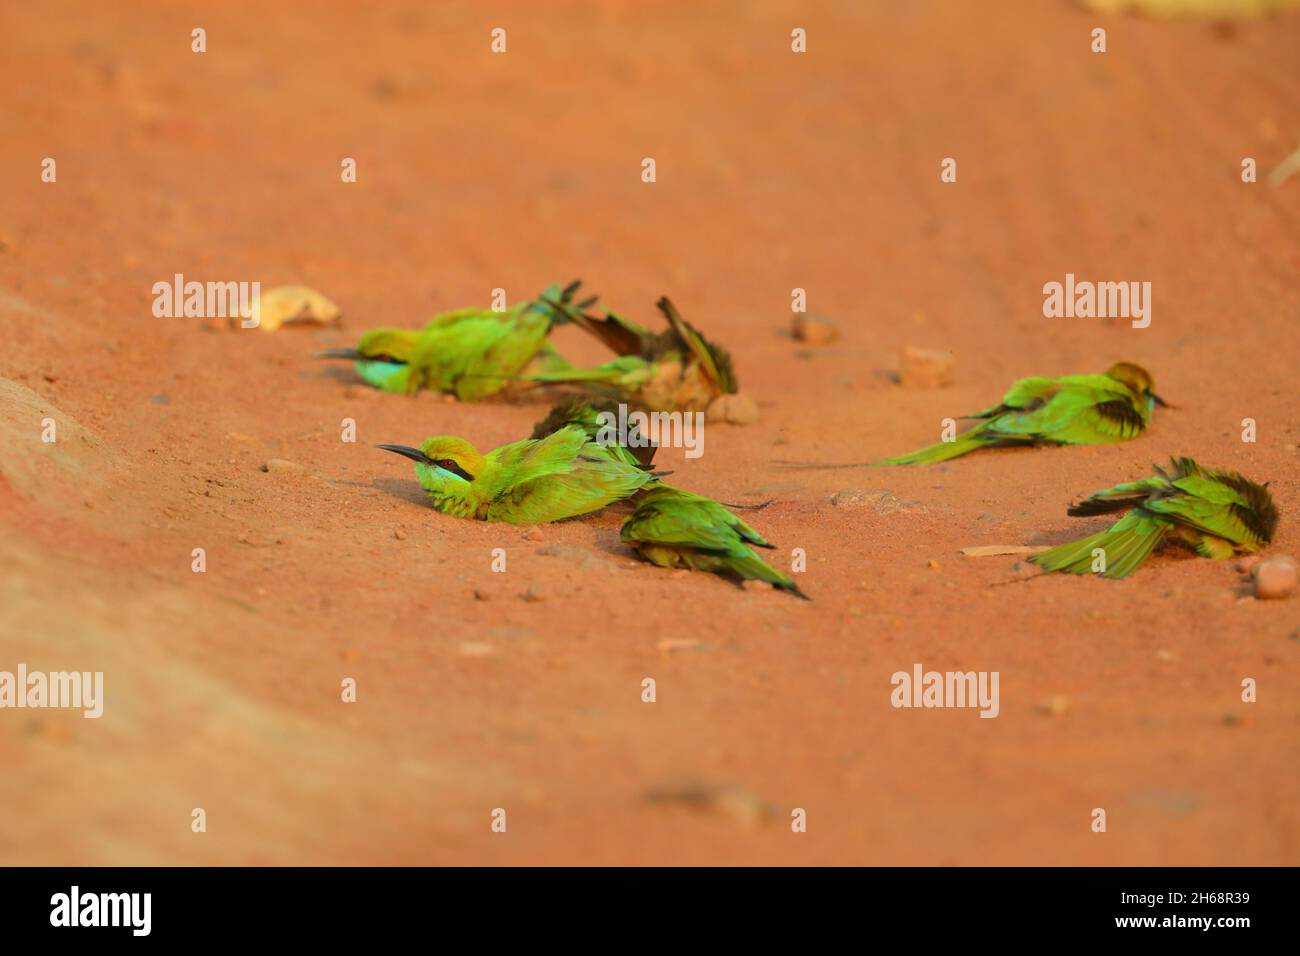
[774,171]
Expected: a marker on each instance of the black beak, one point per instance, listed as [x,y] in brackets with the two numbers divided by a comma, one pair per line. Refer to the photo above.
[1159,401]
[340,354]
[412,453]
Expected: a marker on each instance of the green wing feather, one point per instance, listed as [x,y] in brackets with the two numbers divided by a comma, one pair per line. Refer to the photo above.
[673,528]
[558,477]
[1125,545]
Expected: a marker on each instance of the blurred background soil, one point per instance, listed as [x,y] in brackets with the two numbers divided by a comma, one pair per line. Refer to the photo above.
[774,171]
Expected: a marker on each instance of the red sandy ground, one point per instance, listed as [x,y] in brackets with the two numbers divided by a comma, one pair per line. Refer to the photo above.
[775,171]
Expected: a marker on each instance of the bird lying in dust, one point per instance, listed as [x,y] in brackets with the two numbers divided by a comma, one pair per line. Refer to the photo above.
[563,472]
[677,369]
[472,353]
[1114,406]
[1217,513]
[1071,410]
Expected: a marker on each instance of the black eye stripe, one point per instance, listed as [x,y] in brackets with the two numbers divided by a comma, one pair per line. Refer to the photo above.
[448,465]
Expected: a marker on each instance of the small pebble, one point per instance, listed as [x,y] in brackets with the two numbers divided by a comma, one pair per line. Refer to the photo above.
[533,534]
[282,465]
[1275,577]
[534,594]
[481,595]
[399,534]
[732,409]
[925,368]
[813,329]
[668,645]
[1054,706]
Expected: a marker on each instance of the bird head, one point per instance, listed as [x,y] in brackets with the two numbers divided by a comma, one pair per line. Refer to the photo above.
[444,464]
[1138,380]
[380,354]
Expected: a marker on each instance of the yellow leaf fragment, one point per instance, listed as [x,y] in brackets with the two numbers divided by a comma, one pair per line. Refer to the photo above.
[292,304]
[989,550]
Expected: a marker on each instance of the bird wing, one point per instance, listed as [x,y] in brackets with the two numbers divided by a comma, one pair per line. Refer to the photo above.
[1121,497]
[701,512]
[489,370]
[558,477]
[713,360]
[447,350]
[1090,410]
[1023,394]
[674,521]
[1212,513]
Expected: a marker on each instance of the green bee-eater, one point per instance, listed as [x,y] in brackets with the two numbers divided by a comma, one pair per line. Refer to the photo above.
[564,472]
[1218,513]
[473,353]
[676,529]
[1071,410]
[674,370]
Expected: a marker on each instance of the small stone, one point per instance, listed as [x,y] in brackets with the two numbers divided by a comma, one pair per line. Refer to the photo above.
[925,368]
[884,500]
[668,645]
[753,584]
[1275,577]
[449,398]
[932,564]
[533,534]
[475,649]
[282,465]
[813,329]
[481,595]
[1054,706]
[732,409]
[534,594]
[399,534]
[726,800]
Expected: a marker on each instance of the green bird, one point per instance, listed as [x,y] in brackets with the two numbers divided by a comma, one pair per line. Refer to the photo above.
[563,472]
[1217,513]
[676,529]
[471,353]
[677,369]
[1071,410]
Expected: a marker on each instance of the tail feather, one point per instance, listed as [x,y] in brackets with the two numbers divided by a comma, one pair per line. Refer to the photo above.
[966,442]
[1124,545]
[752,567]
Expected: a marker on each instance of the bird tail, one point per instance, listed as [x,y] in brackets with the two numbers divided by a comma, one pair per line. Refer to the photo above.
[753,568]
[609,372]
[1123,546]
[967,441]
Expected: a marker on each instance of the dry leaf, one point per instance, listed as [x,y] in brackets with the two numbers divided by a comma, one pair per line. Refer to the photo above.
[989,550]
[293,304]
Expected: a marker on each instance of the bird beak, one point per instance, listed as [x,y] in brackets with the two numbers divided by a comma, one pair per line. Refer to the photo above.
[340,354]
[1160,401]
[412,453]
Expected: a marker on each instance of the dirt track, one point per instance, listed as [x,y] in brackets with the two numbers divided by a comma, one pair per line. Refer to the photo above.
[775,171]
